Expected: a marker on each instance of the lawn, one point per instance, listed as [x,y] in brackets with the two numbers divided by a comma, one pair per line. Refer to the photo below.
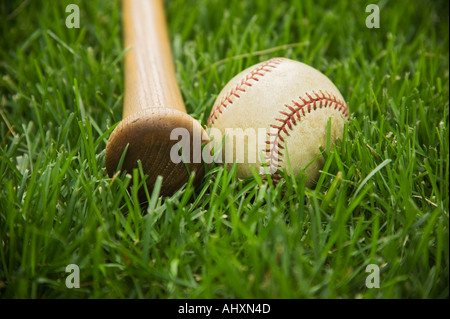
[382,198]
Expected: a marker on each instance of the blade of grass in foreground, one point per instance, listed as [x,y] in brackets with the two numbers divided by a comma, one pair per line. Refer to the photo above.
[378,168]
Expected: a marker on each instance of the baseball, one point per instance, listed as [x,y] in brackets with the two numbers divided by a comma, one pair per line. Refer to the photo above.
[274,116]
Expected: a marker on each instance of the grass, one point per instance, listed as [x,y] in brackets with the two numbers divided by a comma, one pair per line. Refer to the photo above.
[382,197]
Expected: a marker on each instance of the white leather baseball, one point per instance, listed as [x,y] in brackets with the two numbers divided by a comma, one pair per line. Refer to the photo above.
[292,102]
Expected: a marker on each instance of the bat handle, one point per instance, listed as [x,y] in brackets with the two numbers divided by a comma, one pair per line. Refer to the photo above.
[150,79]
[153,107]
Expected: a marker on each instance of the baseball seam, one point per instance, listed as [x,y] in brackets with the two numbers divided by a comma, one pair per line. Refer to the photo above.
[290,115]
[240,88]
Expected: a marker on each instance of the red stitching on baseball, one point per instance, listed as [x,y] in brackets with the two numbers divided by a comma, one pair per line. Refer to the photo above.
[291,117]
[254,75]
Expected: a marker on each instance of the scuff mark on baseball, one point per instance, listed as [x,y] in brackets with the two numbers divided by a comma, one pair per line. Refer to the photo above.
[293,103]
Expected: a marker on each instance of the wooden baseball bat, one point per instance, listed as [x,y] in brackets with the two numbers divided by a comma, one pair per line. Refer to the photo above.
[153,104]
